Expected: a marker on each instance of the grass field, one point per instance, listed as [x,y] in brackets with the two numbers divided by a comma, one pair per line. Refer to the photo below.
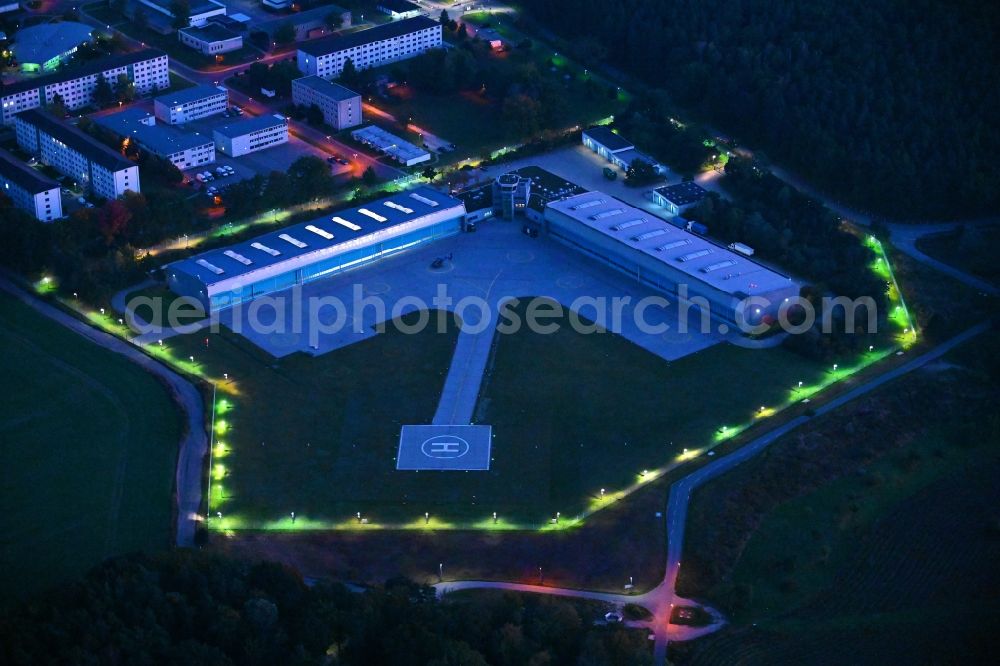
[898,537]
[571,414]
[576,413]
[318,436]
[89,443]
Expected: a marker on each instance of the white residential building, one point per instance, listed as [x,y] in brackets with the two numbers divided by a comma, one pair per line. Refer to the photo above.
[148,70]
[190,104]
[76,154]
[28,189]
[386,43]
[341,106]
[251,135]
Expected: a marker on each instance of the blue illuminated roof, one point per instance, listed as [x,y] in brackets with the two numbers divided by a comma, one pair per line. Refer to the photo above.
[318,234]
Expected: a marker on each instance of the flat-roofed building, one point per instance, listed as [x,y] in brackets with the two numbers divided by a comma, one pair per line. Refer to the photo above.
[251,134]
[183,149]
[616,149]
[341,106]
[198,11]
[179,107]
[679,197]
[210,39]
[389,144]
[376,46]
[667,258]
[316,249]
[30,190]
[148,70]
[398,9]
[43,47]
[76,154]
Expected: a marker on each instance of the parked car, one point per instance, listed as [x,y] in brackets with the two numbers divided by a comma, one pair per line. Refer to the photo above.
[220,171]
[200,177]
[81,200]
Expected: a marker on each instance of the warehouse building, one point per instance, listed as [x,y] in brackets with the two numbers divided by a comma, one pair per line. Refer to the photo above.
[389,144]
[615,148]
[76,154]
[313,250]
[29,189]
[376,46]
[251,134]
[179,107]
[43,47]
[341,106]
[657,253]
[184,149]
[679,197]
[148,70]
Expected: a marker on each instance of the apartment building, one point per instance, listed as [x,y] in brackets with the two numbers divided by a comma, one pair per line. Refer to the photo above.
[75,154]
[341,106]
[376,46]
[148,70]
[251,135]
[29,189]
[190,104]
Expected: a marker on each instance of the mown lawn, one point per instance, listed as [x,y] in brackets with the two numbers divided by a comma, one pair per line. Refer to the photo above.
[88,443]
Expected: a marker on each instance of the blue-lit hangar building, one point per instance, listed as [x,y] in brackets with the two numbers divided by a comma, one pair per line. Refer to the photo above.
[665,257]
[316,249]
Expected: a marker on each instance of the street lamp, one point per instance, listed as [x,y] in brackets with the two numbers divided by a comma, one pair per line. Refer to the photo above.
[427,517]
[494,517]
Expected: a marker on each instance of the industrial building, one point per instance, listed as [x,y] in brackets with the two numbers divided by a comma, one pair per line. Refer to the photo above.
[398,9]
[43,47]
[661,255]
[73,153]
[341,106]
[679,197]
[313,250]
[30,190]
[376,46]
[148,70]
[184,149]
[389,144]
[251,134]
[179,107]
[210,39]
[615,148]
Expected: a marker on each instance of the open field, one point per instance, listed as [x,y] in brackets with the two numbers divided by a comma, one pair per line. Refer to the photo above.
[585,412]
[571,414]
[318,436]
[89,445]
[875,523]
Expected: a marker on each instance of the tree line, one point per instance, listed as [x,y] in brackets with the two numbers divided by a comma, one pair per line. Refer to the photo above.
[191,608]
[889,106]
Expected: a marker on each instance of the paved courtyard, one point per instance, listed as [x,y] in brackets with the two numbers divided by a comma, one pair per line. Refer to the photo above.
[496,264]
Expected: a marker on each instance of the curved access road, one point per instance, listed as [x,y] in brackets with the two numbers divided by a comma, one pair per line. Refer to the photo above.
[661,599]
[193,445]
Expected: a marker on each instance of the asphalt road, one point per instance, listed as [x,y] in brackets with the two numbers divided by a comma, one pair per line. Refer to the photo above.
[661,599]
